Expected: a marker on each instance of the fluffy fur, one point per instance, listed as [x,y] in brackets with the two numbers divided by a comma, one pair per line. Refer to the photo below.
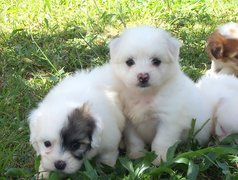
[222,48]
[159,101]
[221,90]
[81,116]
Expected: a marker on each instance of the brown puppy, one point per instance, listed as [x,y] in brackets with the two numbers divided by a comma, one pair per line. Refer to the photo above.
[222,48]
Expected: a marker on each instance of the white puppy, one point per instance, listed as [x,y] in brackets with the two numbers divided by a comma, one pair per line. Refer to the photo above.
[79,117]
[159,101]
[221,91]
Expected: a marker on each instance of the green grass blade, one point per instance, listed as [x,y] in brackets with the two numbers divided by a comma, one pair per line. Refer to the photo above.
[193,170]
[91,173]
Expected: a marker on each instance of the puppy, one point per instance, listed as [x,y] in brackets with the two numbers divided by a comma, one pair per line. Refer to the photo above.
[221,90]
[159,100]
[222,48]
[81,116]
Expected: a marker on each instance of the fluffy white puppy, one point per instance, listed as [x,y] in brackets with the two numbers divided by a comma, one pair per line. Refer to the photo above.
[79,117]
[159,101]
[221,91]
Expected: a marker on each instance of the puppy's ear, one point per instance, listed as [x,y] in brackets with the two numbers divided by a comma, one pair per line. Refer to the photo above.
[173,48]
[96,137]
[215,49]
[32,120]
[113,46]
[215,45]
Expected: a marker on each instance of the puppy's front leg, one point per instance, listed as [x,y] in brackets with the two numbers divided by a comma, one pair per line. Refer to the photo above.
[109,158]
[134,144]
[43,174]
[167,134]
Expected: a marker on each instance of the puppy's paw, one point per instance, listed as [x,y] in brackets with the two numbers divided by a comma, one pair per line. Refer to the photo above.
[157,161]
[110,163]
[42,175]
[136,154]
[109,158]
[161,155]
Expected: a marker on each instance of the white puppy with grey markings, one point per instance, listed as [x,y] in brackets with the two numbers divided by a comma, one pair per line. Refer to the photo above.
[81,116]
[159,100]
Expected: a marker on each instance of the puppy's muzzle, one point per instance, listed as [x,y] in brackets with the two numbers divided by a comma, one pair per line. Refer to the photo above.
[143,79]
[60,165]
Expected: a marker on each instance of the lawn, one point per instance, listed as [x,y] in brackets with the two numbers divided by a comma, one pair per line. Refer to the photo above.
[43,41]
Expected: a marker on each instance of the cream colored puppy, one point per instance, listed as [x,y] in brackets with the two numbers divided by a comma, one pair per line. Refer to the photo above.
[159,101]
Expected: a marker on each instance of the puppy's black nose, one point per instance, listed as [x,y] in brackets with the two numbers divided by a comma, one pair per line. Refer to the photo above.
[143,77]
[60,165]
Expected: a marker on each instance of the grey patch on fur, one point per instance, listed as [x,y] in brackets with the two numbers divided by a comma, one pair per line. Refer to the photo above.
[77,135]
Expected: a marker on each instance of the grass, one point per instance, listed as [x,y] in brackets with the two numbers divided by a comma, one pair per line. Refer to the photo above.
[43,41]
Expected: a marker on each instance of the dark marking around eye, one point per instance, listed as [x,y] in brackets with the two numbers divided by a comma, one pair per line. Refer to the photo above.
[75,145]
[77,135]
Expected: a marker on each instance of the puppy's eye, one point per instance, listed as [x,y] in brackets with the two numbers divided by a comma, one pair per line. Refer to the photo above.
[47,144]
[130,62]
[75,145]
[155,61]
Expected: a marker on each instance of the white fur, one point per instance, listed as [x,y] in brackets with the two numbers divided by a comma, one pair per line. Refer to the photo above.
[47,120]
[221,90]
[229,30]
[158,114]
